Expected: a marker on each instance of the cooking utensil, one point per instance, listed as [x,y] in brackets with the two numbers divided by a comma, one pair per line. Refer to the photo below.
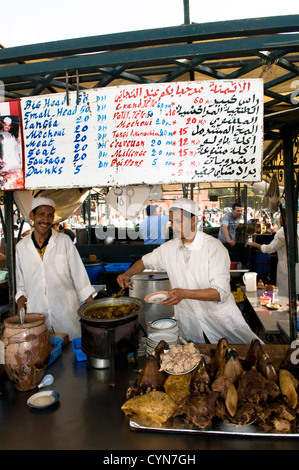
[146,283]
[22,315]
[47,380]
[119,293]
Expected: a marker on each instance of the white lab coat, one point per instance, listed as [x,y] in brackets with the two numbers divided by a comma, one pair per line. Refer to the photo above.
[208,266]
[278,245]
[54,286]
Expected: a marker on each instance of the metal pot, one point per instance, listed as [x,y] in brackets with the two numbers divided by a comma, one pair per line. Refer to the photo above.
[146,283]
[110,301]
[103,339]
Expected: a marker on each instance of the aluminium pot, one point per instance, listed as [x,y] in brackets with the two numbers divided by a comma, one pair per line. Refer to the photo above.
[144,284]
[104,338]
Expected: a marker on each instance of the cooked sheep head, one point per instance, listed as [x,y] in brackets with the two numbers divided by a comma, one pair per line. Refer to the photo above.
[150,378]
[227,390]
[230,365]
[221,349]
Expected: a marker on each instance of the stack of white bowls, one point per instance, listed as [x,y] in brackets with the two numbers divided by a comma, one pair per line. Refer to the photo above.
[166,329]
[166,325]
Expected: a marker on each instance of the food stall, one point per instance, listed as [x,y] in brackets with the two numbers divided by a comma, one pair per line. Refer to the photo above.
[144,143]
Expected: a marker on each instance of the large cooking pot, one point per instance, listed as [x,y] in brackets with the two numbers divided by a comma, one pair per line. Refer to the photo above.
[103,337]
[146,283]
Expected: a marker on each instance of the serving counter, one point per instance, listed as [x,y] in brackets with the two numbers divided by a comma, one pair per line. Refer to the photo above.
[269,319]
[89,416]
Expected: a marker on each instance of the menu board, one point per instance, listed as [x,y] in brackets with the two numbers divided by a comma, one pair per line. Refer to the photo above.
[180,132]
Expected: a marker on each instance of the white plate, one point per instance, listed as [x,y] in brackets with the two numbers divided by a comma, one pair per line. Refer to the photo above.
[46,394]
[156,297]
[163,323]
[159,336]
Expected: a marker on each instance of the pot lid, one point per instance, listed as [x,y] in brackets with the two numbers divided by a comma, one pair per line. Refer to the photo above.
[150,277]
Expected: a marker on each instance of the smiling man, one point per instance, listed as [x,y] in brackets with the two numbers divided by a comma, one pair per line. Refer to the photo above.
[51,277]
[198,269]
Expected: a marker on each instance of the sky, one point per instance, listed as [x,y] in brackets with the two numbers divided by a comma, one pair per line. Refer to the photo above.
[36,21]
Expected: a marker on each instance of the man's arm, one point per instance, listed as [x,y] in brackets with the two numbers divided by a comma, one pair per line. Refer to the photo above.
[176,295]
[124,278]
[227,237]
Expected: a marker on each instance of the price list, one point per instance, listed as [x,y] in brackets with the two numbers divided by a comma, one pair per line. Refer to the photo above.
[145,134]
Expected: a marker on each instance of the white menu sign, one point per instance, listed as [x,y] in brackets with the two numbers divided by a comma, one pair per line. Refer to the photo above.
[181,132]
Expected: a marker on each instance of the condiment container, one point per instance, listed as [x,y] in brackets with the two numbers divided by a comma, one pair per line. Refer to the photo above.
[258,228]
[260,284]
[27,350]
[264,300]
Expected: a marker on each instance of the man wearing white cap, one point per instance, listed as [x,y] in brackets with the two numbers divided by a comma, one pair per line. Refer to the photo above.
[198,269]
[51,278]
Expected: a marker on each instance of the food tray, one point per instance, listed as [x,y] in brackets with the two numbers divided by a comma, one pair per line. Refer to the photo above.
[56,343]
[118,267]
[80,355]
[227,429]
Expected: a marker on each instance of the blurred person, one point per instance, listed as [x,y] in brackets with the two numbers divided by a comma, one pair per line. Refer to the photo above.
[278,245]
[229,225]
[153,229]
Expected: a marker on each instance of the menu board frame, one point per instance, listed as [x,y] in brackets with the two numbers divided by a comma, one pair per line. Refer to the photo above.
[159,133]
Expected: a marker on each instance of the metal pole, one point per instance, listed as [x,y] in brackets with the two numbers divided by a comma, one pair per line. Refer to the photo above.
[186,12]
[290,227]
[10,248]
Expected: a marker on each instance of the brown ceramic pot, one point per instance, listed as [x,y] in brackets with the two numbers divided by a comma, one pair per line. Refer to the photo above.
[27,350]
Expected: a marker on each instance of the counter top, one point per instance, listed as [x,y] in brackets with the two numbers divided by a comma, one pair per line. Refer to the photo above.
[268,318]
[88,416]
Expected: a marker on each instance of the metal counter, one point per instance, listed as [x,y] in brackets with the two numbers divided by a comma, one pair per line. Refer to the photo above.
[268,318]
[88,416]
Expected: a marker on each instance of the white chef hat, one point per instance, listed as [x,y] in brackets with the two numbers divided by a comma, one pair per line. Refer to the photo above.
[7,120]
[42,201]
[185,204]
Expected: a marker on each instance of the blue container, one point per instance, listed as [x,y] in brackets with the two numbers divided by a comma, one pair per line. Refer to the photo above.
[261,264]
[94,269]
[56,344]
[80,355]
[118,267]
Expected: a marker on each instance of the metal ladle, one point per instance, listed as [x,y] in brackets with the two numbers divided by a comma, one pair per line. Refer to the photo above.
[22,315]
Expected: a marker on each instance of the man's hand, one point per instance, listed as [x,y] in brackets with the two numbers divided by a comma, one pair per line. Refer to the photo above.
[123,280]
[21,303]
[174,297]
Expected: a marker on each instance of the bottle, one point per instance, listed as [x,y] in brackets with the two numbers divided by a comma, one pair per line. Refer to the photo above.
[258,227]
[260,284]
[268,228]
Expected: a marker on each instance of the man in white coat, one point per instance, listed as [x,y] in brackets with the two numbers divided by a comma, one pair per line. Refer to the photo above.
[278,244]
[50,275]
[198,269]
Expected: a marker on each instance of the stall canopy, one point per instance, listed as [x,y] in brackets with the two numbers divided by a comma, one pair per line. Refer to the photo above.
[258,48]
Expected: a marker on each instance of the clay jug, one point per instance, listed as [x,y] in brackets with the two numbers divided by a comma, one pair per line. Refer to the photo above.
[27,350]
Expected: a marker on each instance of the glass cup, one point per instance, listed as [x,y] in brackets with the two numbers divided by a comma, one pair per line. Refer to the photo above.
[275,294]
